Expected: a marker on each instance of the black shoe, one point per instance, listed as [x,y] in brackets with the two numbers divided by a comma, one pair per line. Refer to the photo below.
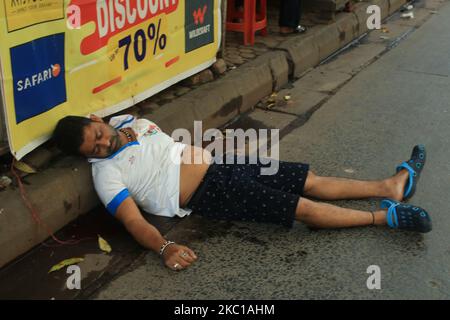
[299,29]
[296,30]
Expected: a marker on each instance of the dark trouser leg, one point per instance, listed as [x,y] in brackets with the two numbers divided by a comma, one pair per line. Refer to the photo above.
[290,12]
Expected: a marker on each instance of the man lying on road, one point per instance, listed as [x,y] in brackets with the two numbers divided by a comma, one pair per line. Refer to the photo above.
[136,165]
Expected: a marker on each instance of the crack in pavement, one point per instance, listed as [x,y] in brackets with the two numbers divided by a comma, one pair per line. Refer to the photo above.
[425,73]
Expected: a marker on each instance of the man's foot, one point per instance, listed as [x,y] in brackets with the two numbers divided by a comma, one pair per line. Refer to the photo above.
[396,185]
[414,168]
[406,217]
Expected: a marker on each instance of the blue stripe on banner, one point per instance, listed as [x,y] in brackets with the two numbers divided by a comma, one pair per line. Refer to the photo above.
[118,199]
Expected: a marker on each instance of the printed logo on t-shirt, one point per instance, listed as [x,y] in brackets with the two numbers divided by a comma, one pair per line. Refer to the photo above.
[153,129]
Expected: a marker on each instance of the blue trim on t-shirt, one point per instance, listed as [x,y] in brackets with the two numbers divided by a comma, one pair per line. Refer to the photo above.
[118,199]
[124,123]
[122,148]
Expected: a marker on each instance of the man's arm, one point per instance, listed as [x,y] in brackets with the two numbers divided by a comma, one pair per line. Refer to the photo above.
[149,237]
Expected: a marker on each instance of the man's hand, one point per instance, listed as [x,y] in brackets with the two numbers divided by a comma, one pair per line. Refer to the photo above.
[178,257]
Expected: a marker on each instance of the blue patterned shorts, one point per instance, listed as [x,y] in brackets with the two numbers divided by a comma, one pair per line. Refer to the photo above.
[238,192]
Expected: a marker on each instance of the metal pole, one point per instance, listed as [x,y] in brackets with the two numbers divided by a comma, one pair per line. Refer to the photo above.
[3,135]
[224,31]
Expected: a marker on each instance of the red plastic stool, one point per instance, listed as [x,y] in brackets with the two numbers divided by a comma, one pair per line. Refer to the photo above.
[252,21]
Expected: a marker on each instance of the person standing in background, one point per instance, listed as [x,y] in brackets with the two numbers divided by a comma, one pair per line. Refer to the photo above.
[289,18]
[289,15]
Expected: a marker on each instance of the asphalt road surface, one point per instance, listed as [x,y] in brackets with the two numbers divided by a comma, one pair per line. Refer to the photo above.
[364,131]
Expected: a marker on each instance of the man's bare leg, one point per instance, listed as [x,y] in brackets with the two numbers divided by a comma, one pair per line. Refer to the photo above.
[323,215]
[329,188]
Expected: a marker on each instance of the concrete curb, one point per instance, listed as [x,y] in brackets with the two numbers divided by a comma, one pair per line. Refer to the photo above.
[60,194]
[65,191]
[348,27]
[302,54]
[307,52]
[218,102]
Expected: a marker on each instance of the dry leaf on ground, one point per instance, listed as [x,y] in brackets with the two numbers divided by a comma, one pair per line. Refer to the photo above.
[65,263]
[22,166]
[104,245]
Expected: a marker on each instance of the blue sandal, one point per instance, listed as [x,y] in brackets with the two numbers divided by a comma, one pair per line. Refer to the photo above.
[414,166]
[406,217]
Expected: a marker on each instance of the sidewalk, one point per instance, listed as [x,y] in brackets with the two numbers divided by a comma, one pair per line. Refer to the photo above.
[216,103]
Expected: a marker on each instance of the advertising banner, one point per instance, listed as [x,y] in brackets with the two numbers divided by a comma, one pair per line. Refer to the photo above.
[77,57]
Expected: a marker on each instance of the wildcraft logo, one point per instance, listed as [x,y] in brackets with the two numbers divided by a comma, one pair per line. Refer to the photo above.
[38,71]
[199,17]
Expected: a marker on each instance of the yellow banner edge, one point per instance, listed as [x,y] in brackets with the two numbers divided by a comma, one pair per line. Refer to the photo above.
[20,153]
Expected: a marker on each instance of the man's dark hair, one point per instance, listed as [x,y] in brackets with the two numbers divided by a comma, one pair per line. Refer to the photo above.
[68,134]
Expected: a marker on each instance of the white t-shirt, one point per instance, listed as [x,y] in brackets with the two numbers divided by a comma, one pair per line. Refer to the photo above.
[148,170]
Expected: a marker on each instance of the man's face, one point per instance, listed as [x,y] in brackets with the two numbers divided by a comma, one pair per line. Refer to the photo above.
[100,140]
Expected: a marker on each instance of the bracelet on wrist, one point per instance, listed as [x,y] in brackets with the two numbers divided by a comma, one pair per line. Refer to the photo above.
[164,246]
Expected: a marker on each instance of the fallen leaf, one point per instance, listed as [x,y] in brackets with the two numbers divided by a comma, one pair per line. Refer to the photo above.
[272,98]
[287,97]
[104,245]
[64,263]
[270,105]
[22,166]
